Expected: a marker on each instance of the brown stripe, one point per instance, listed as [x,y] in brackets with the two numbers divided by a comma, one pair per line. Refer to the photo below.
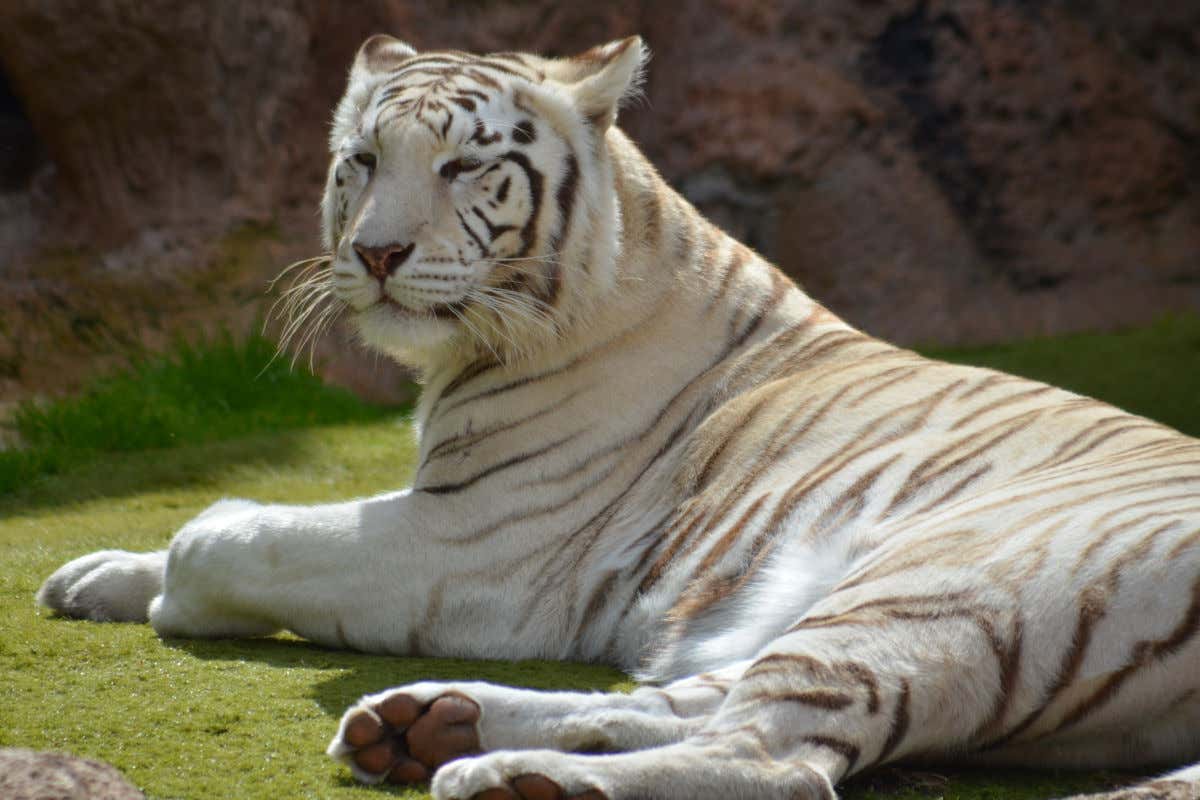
[1093,605]
[737,260]
[731,535]
[591,611]
[480,76]
[684,238]
[954,490]
[834,464]
[701,595]
[899,724]
[1191,540]
[1138,425]
[780,286]
[842,747]
[1144,653]
[792,664]
[1003,401]
[993,379]
[651,216]
[1079,501]
[667,556]
[1010,668]
[1066,446]
[850,503]
[827,699]
[531,75]
[822,346]
[890,378]
[717,589]
[747,426]
[925,474]
[829,620]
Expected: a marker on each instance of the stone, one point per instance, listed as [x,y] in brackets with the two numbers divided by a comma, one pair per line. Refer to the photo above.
[30,775]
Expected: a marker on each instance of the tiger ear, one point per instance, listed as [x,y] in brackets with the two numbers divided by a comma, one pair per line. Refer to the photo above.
[600,78]
[381,53]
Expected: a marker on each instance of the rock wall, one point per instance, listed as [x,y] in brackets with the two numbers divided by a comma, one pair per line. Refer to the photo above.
[933,171]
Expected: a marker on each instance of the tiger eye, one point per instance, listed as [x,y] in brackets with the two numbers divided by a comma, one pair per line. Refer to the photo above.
[524,132]
[368,160]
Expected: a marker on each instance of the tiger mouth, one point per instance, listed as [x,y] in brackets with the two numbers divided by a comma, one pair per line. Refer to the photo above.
[438,310]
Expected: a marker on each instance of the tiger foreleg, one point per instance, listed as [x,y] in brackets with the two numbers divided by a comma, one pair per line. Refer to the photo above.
[727,768]
[815,706]
[404,735]
[242,568]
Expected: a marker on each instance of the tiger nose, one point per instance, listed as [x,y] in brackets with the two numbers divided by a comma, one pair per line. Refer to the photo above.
[384,260]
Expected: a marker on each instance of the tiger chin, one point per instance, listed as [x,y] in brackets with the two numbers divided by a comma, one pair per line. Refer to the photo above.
[641,444]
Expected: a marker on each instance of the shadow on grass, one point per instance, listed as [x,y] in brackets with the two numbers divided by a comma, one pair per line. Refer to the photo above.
[356,674]
[969,783]
[133,473]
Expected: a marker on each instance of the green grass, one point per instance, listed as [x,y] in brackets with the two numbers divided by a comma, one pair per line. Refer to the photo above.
[249,719]
[198,392]
[1153,371]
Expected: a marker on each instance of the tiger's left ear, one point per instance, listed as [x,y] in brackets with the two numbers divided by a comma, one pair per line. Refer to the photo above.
[600,78]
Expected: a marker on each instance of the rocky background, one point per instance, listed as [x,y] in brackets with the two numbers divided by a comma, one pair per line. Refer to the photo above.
[945,172]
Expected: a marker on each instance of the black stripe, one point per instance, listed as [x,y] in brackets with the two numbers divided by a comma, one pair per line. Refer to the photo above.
[455,443]
[448,488]
[494,231]
[483,251]
[536,182]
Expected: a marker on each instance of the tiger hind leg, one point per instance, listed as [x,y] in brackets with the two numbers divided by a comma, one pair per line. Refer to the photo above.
[403,735]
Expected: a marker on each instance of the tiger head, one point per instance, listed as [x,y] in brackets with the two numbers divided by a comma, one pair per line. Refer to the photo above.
[469,199]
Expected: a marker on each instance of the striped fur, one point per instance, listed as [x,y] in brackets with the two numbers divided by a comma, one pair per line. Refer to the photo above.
[641,444]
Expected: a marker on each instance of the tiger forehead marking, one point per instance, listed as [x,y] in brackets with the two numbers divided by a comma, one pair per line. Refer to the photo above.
[433,87]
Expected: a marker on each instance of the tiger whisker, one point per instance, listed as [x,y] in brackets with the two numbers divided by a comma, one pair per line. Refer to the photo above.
[475,331]
[296,265]
[529,307]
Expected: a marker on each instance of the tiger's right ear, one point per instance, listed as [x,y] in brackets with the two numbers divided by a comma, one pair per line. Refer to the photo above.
[381,53]
[602,77]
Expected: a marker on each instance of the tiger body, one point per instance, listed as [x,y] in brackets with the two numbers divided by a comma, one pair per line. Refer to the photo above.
[641,444]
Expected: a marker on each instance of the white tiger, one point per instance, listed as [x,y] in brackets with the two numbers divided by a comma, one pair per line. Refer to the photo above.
[641,444]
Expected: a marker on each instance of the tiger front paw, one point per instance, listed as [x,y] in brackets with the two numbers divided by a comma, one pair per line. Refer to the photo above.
[108,586]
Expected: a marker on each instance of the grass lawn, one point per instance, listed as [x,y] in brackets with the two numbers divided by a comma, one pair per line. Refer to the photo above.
[249,719]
